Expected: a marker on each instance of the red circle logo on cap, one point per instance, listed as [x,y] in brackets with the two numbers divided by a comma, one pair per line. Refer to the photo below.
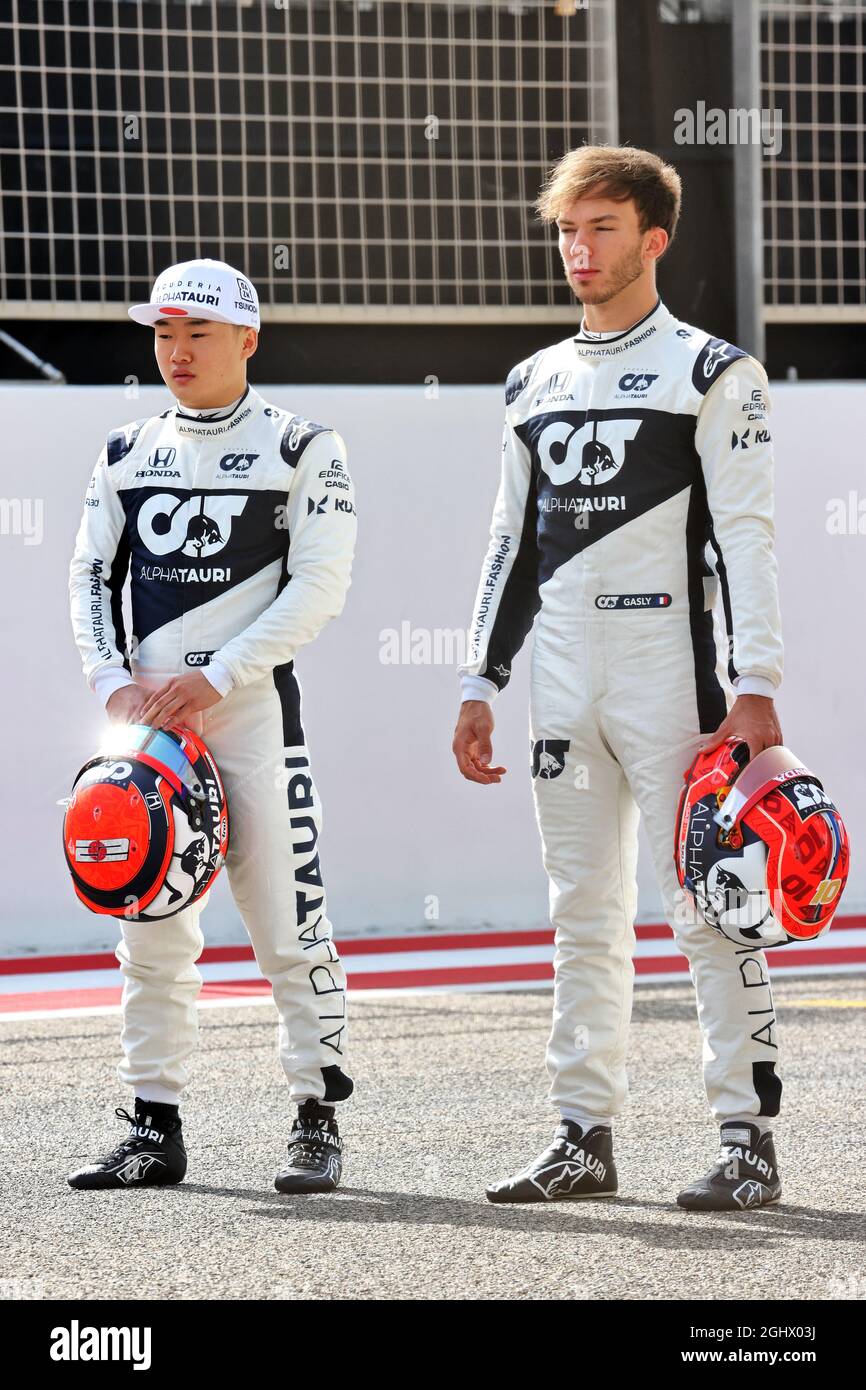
[167,309]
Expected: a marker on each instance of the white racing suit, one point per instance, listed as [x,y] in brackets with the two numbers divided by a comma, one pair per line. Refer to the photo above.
[238,531]
[629,461]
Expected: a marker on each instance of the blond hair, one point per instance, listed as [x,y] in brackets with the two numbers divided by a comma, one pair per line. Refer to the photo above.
[618,172]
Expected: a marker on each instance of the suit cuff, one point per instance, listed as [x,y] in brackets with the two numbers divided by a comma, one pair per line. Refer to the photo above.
[219,676]
[106,679]
[478,688]
[755,685]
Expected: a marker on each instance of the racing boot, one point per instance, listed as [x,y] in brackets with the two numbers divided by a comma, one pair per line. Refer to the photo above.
[578,1165]
[315,1151]
[152,1155]
[744,1175]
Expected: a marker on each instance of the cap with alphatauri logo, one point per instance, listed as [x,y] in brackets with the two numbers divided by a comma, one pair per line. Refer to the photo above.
[201,289]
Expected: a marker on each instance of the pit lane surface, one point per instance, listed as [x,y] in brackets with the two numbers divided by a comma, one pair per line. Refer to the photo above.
[450,1093]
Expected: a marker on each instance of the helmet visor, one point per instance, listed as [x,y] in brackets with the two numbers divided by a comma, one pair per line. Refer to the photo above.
[162,748]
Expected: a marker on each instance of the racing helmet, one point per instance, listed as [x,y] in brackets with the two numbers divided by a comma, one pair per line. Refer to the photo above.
[145,831]
[760,848]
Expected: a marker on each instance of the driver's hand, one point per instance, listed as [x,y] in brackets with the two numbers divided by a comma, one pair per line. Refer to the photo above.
[178,700]
[752,718]
[472,746]
[126,704]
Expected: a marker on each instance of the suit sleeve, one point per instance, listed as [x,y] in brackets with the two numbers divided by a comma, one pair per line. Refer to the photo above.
[736,452]
[322,529]
[507,599]
[97,573]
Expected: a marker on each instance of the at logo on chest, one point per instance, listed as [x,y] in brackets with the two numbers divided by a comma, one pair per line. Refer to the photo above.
[195,526]
[591,453]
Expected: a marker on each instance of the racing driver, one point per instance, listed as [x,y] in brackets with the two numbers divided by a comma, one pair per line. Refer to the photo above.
[236,522]
[636,483]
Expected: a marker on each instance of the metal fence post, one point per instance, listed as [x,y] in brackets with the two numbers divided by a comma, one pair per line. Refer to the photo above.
[748,191]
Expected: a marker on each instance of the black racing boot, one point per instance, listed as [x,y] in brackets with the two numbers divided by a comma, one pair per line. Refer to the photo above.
[745,1173]
[152,1155]
[577,1165]
[315,1151]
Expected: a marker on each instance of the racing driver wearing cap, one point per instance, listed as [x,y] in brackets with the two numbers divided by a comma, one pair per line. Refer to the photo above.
[235,523]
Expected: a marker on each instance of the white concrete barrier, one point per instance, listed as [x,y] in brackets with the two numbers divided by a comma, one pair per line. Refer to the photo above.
[407,844]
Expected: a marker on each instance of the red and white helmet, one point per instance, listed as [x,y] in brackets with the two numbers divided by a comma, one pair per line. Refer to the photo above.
[146,827]
[760,848]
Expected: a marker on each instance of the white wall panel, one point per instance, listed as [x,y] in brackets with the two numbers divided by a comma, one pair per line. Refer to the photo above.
[404,836]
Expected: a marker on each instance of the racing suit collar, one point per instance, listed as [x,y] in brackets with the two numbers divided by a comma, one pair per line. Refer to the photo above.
[218,421]
[600,345]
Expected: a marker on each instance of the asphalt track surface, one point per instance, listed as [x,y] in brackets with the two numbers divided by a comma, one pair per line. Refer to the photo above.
[451,1093]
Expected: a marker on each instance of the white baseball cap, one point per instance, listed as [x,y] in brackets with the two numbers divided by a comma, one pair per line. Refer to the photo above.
[201,289]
